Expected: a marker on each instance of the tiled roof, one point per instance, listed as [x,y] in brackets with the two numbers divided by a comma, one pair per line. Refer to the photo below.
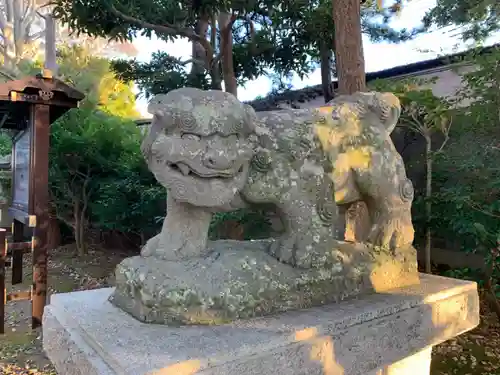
[272,102]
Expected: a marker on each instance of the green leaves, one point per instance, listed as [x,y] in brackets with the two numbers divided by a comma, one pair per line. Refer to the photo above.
[480,89]
[86,145]
[162,74]
[94,77]
[481,232]
[477,19]
[130,203]
[467,202]
[268,35]
[422,111]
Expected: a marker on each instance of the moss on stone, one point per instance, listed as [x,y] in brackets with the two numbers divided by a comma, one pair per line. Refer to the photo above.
[253,283]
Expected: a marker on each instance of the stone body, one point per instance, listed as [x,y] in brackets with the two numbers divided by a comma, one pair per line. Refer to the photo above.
[214,153]
[313,164]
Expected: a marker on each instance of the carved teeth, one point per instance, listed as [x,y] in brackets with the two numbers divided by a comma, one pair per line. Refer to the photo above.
[183,168]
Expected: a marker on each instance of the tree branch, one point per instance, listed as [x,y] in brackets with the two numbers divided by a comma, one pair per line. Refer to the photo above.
[193,61]
[29,18]
[170,29]
[3,20]
[224,36]
[446,138]
[35,36]
[475,207]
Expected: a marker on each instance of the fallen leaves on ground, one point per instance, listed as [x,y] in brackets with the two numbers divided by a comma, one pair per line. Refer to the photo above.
[21,351]
[474,353]
[22,354]
[16,370]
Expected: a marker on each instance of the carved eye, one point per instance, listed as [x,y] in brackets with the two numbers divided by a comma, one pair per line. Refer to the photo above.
[190,137]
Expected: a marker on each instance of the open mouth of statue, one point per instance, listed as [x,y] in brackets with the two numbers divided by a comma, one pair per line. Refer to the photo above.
[187,171]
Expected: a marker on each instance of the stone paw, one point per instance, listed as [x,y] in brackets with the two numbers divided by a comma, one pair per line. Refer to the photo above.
[392,232]
[295,249]
[149,249]
[283,248]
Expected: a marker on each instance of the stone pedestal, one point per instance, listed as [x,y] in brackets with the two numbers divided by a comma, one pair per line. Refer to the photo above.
[388,333]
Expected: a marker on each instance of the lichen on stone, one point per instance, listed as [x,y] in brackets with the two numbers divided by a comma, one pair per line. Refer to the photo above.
[246,282]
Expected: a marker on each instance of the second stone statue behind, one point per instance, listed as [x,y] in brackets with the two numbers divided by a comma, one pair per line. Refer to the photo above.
[213,153]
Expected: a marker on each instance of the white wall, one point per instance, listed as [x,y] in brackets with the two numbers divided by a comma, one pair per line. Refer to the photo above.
[447,82]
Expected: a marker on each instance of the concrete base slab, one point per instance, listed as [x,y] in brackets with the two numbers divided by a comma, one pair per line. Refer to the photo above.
[380,334]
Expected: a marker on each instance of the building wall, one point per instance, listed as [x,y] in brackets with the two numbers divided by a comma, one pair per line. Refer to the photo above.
[447,81]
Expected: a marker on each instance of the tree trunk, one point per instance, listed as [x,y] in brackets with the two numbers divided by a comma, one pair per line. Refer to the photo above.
[215,69]
[226,49]
[54,233]
[50,44]
[78,228]
[489,287]
[428,203]
[326,70]
[83,226]
[9,49]
[349,58]
[21,32]
[350,69]
[198,52]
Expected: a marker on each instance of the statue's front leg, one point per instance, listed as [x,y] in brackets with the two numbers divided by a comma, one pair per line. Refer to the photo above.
[392,226]
[184,233]
[389,206]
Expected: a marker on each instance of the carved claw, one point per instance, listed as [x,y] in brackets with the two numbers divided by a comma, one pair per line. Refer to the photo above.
[393,231]
[283,248]
[149,249]
[299,249]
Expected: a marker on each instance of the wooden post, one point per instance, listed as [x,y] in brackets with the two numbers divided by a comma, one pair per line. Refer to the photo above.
[17,256]
[40,181]
[3,291]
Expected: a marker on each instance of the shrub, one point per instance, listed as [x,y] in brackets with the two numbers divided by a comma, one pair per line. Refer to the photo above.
[88,147]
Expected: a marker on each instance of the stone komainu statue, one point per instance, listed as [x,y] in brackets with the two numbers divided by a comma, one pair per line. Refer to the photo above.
[214,153]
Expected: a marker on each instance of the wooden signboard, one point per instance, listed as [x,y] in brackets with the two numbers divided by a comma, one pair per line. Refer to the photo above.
[21,168]
[29,106]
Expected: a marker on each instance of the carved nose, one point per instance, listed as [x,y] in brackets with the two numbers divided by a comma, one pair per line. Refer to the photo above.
[218,162]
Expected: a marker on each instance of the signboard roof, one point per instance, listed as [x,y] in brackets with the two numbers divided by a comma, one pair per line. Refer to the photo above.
[16,96]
